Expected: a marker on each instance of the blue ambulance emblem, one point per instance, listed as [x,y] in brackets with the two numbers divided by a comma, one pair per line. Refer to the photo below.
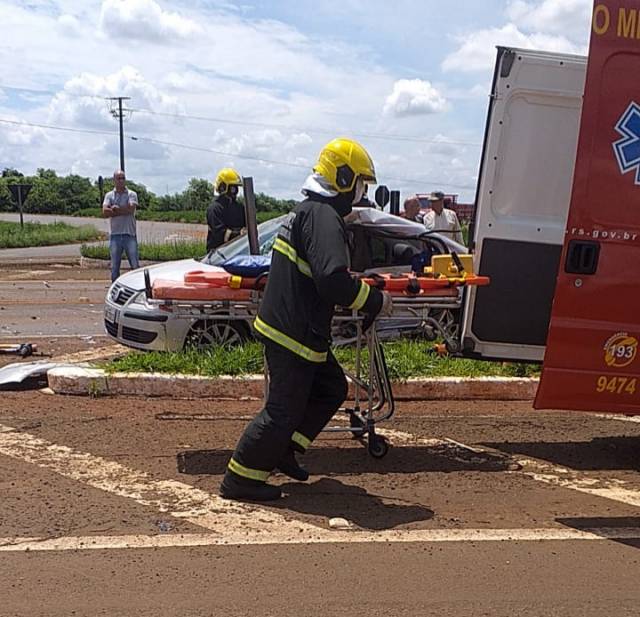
[627,149]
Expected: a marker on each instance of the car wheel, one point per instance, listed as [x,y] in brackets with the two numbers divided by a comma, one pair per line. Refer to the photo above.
[207,333]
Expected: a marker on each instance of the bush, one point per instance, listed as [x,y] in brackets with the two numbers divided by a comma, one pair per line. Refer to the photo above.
[405,359]
[166,251]
[38,234]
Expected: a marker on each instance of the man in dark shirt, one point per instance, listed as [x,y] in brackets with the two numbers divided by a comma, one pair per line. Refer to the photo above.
[225,216]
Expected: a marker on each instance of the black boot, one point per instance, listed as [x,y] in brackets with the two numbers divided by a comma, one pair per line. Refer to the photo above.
[289,467]
[235,487]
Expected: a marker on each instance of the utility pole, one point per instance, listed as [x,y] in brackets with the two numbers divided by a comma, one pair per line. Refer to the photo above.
[117,113]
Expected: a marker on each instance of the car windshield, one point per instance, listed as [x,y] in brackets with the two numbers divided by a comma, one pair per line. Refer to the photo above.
[267,232]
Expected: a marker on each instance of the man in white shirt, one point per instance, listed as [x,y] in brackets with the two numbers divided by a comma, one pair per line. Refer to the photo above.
[441,219]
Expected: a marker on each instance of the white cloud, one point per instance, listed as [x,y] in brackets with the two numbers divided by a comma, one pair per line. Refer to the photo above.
[83,102]
[297,140]
[240,68]
[442,145]
[69,25]
[144,19]
[414,97]
[569,18]
[477,50]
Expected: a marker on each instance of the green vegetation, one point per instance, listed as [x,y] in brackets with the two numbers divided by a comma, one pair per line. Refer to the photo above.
[180,216]
[37,234]
[77,195]
[167,251]
[405,359]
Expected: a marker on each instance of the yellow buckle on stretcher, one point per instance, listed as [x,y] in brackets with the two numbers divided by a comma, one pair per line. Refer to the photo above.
[443,265]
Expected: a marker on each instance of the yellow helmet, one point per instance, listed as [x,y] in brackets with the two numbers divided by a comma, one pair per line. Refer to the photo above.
[342,161]
[227,178]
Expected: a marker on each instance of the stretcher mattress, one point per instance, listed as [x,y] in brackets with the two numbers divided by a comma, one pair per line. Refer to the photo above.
[203,286]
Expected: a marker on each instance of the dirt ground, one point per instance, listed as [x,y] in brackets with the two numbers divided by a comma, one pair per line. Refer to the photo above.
[109,506]
[484,469]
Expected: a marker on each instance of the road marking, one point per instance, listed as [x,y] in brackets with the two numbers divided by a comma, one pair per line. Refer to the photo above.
[541,471]
[234,523]
[83,543]
[180,500]
[618,417]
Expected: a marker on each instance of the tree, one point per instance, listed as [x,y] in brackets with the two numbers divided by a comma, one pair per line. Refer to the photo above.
[199,194]
[9,172]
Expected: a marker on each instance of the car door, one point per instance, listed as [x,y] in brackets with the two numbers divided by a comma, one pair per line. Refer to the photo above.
[591,360]
[522,201]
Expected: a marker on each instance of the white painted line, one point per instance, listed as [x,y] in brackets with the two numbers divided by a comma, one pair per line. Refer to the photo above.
[618,417]
[183,501]
[82,543]
[541,471]
[609,488]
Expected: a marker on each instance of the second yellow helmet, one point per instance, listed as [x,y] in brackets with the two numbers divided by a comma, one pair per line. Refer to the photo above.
[225,179]
[342,161]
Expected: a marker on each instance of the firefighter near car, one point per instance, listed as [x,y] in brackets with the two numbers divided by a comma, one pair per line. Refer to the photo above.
[309,276]
[225,216]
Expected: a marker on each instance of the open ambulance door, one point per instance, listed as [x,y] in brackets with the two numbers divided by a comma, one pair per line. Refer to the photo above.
[591,361]
[522,202]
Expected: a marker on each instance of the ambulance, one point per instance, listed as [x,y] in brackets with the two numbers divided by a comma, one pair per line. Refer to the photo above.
[557,223]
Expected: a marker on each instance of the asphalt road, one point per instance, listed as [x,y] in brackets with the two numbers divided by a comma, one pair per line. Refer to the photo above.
[51,301]
[487,509]
[148,231]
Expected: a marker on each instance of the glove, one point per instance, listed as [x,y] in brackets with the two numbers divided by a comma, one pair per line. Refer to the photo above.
[386,307]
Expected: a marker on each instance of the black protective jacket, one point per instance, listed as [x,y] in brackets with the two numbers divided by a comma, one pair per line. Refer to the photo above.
[223,214]
[309,276]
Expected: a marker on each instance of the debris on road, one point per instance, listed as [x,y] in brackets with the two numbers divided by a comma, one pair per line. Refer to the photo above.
[24,350]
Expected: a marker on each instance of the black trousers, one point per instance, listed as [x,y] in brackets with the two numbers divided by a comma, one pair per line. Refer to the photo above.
[303,397]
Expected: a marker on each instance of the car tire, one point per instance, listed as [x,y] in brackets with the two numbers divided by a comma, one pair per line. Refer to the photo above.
[208,333]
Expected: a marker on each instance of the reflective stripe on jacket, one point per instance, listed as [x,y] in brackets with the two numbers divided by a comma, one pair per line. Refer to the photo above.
[309,276]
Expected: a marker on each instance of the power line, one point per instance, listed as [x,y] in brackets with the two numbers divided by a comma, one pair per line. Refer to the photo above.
[221,153]
[407,181]
[58,128]
[120,117]
[389,137]
[37,91]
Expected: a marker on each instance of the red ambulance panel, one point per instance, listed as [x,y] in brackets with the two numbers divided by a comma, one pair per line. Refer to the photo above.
[591,361]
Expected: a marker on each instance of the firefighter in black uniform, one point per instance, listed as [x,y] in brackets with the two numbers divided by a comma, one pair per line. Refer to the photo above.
[308,277]
[225,216]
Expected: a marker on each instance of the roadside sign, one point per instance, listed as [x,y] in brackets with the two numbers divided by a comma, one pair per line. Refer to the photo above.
[19,193]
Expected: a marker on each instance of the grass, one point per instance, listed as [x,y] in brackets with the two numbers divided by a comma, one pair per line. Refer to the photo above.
[41,234]
[179,216]
[165,251]
[405,359]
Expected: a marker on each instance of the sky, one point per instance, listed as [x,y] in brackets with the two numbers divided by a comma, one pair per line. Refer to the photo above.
[262,85]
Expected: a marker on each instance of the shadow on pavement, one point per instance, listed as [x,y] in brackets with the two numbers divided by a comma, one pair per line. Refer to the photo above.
[332,460]
[328,497]
[610,524]
[598,454]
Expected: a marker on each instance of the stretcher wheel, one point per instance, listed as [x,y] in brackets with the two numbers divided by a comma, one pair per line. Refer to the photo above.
[378,446]
[453,347]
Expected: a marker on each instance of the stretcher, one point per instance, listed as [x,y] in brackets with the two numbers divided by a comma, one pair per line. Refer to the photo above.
[417,298]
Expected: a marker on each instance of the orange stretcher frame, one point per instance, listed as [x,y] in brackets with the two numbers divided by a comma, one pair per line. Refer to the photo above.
[202,286]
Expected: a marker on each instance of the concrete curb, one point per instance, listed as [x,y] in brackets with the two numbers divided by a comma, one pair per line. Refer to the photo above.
[95,382]
[105,264]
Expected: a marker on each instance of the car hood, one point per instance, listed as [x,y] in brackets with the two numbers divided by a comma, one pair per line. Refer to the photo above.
[170,271]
